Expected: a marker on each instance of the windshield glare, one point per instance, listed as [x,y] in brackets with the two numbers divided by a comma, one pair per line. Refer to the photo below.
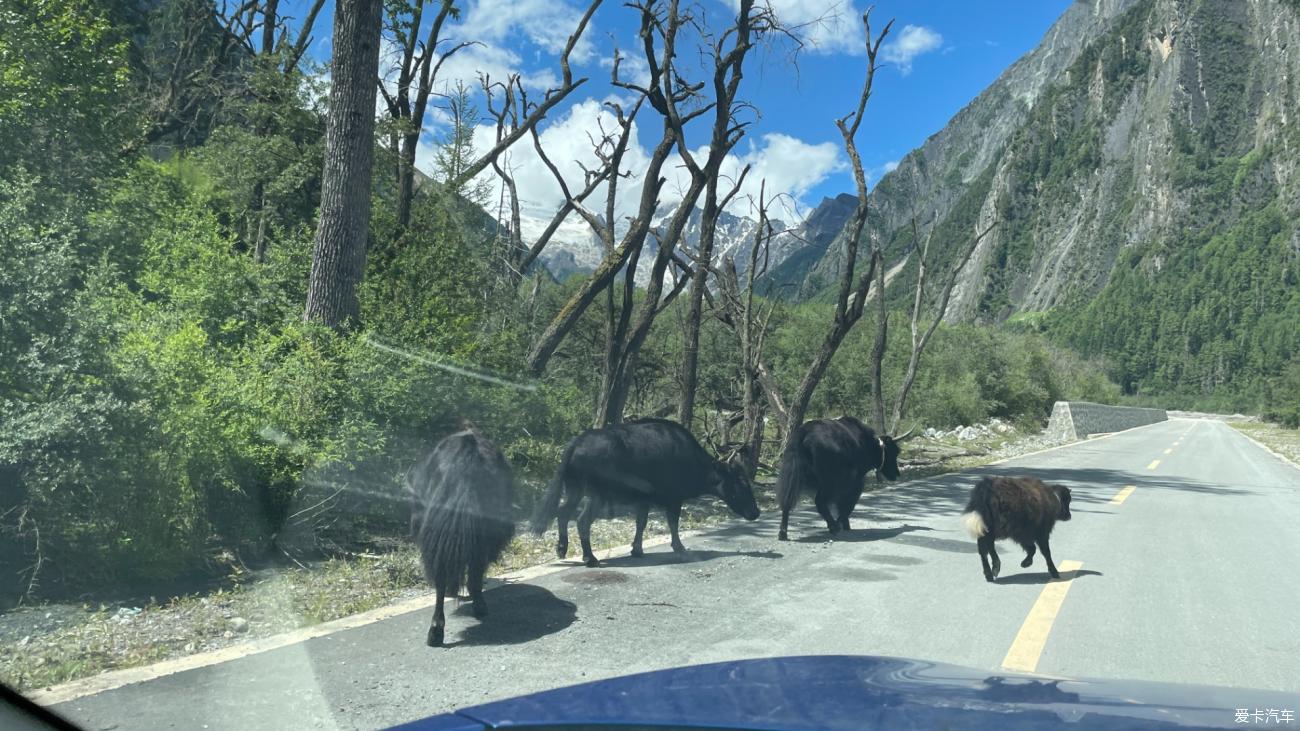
[363,362]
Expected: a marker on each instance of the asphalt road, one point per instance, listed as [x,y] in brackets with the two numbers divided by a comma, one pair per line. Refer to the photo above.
[1191,578]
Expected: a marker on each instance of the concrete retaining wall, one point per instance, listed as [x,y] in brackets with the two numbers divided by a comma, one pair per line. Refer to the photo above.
[1073,420]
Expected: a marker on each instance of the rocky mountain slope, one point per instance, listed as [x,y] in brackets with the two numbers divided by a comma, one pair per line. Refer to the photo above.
[1141,164]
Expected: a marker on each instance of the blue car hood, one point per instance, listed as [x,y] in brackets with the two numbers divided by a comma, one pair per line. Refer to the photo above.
[829,693]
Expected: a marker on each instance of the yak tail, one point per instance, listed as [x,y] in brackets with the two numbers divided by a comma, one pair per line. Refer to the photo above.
[795,473]
[976,517]
[464,519]
[549,506]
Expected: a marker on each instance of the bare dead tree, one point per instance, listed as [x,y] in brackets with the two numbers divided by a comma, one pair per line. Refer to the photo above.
[668,93]
[417,72]
[921,339]
[261,20]
[851,296]
[663,87]
[749,319]
[415,75]
[728,52]
[506,117]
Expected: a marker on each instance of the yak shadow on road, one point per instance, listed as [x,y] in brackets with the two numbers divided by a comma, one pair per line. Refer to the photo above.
[665,558]
[860,535]
[946,495]
[1042,577]
[518,613]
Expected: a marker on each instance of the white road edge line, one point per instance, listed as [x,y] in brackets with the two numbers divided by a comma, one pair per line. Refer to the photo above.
[1285,459]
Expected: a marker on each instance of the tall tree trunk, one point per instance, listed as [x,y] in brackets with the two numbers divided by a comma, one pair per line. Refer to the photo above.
[339,253]
[878,353]
[269,21]
[406,178]
[699,282]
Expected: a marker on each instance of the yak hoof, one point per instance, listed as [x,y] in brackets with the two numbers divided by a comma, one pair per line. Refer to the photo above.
[1028,560]
[1055,574]
[435,637]
[591,562]
[782,536]
[989,577]
[637,552]
[679,548]
[480,609]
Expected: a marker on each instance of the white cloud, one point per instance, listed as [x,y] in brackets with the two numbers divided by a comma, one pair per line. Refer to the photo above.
[826,26]
[790,165]
[499,63]
[911,42]
[891,166]
[547,23]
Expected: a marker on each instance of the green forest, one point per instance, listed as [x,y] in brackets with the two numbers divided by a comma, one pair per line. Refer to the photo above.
[164,400]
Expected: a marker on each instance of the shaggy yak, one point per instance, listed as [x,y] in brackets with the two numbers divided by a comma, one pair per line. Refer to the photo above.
[1020,508]
[830,458]
[644,462]
[461,499]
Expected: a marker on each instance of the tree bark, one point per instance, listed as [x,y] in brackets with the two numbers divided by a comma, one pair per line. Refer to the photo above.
[339,253]
[699,282]
[878,353]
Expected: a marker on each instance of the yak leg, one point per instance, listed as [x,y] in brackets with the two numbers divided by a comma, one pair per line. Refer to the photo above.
[439,621]
[785,524]
[989,552]
[594,505]
[642,516]
[1029,555]
[572,496]
[847,505]
[476,571]
[1047,556]
[824,508]
[674,513]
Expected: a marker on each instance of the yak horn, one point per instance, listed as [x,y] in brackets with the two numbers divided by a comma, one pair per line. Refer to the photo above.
[906,435]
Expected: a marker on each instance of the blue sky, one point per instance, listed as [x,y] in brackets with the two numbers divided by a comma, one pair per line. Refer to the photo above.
[940,55]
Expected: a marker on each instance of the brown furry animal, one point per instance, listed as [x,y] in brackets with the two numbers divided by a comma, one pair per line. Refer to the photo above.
[1020,508]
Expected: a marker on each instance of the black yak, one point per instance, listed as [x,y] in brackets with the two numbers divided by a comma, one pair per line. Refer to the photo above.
[461,500]
[1020,508]
[831,458]
[645,462]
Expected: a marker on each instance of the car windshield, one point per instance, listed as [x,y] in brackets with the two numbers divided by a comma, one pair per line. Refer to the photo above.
[363,361]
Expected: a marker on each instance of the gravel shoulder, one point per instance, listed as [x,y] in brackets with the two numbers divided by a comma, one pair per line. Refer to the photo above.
[1285,442]
[44,645]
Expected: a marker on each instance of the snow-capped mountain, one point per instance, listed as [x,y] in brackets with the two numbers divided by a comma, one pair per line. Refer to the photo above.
[576,248]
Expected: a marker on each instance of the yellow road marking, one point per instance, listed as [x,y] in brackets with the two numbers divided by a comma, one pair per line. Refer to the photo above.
[1122,495]
[1154,464]
[1032,638]
[1169,451]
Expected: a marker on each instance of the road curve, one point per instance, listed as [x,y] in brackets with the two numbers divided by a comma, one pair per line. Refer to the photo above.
[1184,535]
